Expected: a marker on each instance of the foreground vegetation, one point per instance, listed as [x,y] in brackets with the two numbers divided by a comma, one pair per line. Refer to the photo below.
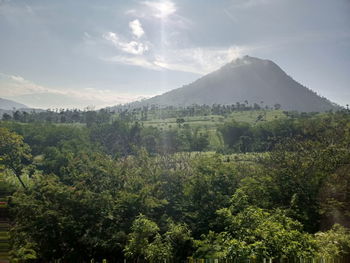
[116,187]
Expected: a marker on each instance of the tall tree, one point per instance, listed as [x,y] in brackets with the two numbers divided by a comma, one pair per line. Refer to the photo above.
[14,153]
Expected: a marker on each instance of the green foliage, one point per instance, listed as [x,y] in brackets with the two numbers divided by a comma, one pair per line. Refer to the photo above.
[118,137]
[112,190]
[254,232]
[40,136]
[210,187]
[64,222]
[159,250]
[179,238]
[211,245]
[24,253]
[14,153]
[334,242]
[143,230]
[236,135]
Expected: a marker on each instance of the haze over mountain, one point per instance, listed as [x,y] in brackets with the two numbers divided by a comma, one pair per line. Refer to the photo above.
[245,79]
[10,105]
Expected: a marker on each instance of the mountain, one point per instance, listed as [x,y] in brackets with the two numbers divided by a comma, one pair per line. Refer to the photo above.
[10,105]
[245,79]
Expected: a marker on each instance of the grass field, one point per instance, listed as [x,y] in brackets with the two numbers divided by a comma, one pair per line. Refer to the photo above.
[210,123]
[251,117]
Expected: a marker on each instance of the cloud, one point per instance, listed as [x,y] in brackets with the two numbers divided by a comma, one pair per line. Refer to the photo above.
[193,60]
[134,47]
[163,52]
[133,61]
[131,47]
[27,92]
[198,60]
[13,85]
[163,18]
[161,9]
[136,28]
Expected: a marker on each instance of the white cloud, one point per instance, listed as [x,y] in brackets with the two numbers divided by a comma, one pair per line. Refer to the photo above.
[13,85]
[164,52]
[133,61]
[198,60]
[112,37]
[194,60]
[131,47]
[27,92]
[164,18]
[161,9]
[136,28]
[134,47]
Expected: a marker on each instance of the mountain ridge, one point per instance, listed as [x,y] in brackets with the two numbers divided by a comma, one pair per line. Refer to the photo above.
[6,104]
[249,79]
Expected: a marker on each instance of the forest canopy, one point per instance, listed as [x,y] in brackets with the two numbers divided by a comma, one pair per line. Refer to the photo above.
[114,188]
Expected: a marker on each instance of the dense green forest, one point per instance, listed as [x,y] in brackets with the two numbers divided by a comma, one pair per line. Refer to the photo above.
[167,185]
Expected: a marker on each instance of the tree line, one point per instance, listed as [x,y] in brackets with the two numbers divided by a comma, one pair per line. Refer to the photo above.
[90,116]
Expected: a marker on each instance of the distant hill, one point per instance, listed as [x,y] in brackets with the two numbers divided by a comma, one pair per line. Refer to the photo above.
[246,79]
[10,105]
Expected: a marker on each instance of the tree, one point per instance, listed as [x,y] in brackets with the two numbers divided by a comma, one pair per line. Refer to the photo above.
[17,115]
[143,231]
[277,106]
[333,243]
[263,234]
[14,153]
[211,245]
[73,223]
[209,188]
[179,238]
[159,250]
[180,121]
[235,133]
[90,118]
[6,117]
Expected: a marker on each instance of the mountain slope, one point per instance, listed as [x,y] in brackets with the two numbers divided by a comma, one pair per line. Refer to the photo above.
[246,79]
[10,104]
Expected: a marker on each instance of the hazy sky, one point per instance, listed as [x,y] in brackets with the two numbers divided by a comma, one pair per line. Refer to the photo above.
[68,53]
